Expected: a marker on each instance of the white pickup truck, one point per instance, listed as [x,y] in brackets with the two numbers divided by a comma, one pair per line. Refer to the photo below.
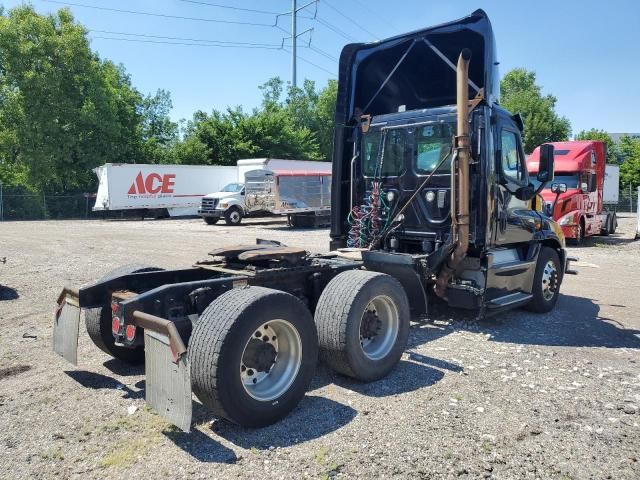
[228,203]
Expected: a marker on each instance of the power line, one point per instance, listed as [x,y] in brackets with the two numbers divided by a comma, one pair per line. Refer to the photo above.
[323,53]
[162,15]
[385,21]
[321,21]
[200,40]
[217,5]
[333,74]
[191,44]
[350,19]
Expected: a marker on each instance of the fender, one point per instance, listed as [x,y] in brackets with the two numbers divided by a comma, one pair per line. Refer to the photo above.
[551,235]
[233,202]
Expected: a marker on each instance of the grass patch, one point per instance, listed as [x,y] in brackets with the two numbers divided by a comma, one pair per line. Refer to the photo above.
[52,454]
[125,454]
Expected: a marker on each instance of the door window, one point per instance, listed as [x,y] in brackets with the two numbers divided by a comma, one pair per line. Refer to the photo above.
[510,156]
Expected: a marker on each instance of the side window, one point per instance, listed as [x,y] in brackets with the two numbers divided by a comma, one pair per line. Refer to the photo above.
[511,164]
[590,179]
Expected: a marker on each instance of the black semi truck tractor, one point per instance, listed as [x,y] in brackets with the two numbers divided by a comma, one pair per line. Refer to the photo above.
[430,198]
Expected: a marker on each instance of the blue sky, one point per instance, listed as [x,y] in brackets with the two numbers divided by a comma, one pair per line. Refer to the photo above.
[577,48]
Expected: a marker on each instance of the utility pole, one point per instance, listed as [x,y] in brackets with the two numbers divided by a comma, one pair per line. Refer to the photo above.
[293,43]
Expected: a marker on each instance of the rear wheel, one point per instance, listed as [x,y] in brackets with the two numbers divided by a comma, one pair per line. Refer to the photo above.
[233,216]
[579,239]
[211,220]
[614,223]
[363,324]
[98,322]
[546,281]
[253,353]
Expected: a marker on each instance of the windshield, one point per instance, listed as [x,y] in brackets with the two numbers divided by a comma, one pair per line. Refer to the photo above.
[233,187]
[571,179]
[433,143]
[423,147]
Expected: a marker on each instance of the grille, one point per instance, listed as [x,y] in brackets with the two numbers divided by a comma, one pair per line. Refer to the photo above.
[209,203]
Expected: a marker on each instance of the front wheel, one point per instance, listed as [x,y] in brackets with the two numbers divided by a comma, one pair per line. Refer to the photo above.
[211,220]
[579,240]
[253,353]
[363,324]
[546,281]
[233,216]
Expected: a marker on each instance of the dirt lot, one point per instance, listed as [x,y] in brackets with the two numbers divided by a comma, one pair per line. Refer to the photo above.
[519,396]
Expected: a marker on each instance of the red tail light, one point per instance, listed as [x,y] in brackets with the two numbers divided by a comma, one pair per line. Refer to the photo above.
[130,333]
[115,325]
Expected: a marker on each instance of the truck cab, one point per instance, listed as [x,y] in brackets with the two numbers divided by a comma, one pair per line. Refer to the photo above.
[575,197]
[228,203]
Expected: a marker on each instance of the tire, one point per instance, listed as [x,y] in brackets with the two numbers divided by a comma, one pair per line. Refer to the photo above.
[344,342]
[98,322]
[210,220]
[233,216]
[606,230]
[614,223]
[579,240]
[545,294]
[221,374]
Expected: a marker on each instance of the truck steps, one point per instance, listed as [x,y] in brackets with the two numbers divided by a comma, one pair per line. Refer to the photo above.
[510,300]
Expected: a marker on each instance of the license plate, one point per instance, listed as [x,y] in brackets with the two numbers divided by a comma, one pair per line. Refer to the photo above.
[65,331]
[168,384]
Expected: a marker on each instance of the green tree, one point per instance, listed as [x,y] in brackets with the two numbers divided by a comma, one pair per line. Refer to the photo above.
[222,138]
[308,107]
[520,94]
[158,134]
[601,135]
[75,111]
[630,166]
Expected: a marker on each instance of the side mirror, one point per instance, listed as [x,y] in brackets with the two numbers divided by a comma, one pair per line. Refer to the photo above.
[545,168]
[558,188]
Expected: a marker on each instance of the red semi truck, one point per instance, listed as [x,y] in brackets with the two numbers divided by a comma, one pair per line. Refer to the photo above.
[574,198]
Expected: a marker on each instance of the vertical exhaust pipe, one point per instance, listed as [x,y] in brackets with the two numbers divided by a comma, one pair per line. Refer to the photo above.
[460,184]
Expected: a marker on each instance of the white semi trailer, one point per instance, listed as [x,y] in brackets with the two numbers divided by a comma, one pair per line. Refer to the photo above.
[158,190]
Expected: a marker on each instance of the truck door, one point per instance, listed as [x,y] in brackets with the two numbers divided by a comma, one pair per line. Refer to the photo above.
[515,221]
[589,187]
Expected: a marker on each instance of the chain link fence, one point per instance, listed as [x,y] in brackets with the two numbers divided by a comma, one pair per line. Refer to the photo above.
[627,201]
[21,204]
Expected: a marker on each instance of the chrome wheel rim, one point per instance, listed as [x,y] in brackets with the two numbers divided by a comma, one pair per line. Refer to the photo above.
[235,217]
[271,360]
[549,280]
[379,327]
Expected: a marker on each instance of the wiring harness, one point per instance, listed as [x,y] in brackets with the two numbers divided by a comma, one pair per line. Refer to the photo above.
[367,221]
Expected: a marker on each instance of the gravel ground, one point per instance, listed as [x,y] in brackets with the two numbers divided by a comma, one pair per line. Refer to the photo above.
[518,396]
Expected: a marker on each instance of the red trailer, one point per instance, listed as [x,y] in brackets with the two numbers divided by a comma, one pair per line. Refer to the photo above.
[575,196]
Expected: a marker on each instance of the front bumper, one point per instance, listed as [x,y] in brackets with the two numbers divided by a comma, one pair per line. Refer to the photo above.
[211,213]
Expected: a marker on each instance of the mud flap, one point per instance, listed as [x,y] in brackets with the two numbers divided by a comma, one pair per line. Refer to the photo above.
[66,322]
[168,383]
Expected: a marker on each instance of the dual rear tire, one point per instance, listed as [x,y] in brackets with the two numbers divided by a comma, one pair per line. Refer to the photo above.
[253,351]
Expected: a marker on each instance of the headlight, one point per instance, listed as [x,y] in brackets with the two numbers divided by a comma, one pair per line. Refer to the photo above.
[429,196]
[567,219]
[391,196]
[224,205]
